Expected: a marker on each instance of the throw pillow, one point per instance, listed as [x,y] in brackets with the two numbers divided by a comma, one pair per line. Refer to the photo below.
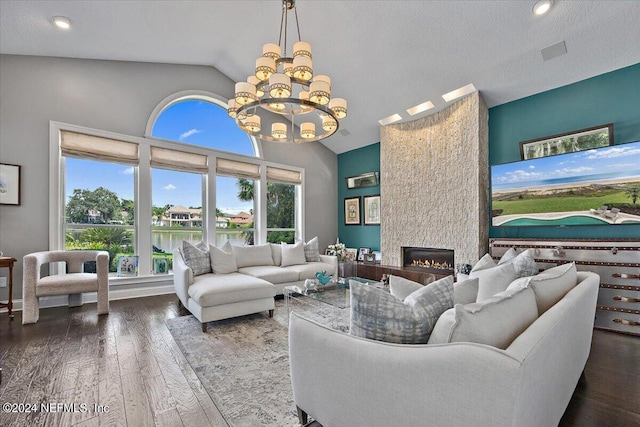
[378,315]
[196,257]
[493,280]
[551,285]
[292,254]
[276,253]
[465,291]
[312,250]
[248,256]
[222,260]
[496,321]
[524,263]
[484,263]
[401,287]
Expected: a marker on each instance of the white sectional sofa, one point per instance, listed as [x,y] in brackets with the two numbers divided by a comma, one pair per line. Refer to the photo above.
[259,275]
[341,380]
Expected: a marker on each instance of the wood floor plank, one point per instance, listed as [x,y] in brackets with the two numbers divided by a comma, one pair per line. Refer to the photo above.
[110,394]
[136,404]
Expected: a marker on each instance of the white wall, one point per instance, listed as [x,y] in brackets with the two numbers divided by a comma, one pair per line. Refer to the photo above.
[114,96]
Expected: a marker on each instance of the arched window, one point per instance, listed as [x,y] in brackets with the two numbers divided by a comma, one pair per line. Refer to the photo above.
[198,118]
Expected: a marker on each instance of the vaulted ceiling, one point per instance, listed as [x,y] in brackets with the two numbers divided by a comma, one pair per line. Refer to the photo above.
[382,56]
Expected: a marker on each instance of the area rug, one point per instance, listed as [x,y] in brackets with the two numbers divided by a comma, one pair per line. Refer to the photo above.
[243,362]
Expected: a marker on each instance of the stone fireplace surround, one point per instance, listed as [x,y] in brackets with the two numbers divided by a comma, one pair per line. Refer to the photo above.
[434,182]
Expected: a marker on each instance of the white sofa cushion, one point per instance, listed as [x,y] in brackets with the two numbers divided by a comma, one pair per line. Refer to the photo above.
[401,288]
[465,291]
[378,315]
[247,256]
[312,250]
[524,263]
[551,285]
[493,280]
[276,253]
[496,321]
[309,270]
[270,273]
[292,254]
[218,289]
[222,259]
[484,263]
[196,257]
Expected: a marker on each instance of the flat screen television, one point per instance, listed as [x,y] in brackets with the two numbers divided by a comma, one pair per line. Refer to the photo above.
[593,187]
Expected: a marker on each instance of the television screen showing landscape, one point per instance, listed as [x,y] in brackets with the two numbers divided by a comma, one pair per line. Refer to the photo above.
[593,187]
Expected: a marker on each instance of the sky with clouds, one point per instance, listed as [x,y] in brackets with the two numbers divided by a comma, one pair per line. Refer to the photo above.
[608,162]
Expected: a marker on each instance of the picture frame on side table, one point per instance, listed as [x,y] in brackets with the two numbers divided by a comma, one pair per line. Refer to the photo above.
[350,254]
[352,211]
[127,266]
[371,209]
[10,184]
[370,258]
[161,265]
[378,256]
[362,252]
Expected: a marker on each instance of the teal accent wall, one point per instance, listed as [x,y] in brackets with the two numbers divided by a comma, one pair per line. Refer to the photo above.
[609,98]
[351,163]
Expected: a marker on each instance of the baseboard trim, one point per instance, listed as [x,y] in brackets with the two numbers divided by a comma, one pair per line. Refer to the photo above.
[89,297]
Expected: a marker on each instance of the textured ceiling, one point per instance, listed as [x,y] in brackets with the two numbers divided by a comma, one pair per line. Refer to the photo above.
[382,56]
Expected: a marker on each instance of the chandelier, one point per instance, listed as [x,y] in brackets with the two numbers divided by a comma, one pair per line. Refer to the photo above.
[284,101]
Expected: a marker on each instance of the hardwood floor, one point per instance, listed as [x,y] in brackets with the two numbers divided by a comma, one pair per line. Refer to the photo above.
[129,362]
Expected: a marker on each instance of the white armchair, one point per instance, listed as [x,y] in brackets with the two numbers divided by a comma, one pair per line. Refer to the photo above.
[73,282]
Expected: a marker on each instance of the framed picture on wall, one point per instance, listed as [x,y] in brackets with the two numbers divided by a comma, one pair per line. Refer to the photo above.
[577,140]
[9,184]
[352,211]
[371,209]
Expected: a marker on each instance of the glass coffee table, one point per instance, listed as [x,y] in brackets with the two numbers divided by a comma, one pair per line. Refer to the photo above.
[334,297]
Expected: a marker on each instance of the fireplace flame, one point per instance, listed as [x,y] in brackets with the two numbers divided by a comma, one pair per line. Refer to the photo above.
[431,264]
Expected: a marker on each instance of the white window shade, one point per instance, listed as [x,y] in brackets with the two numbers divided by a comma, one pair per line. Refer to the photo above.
[98,148]
[283,175]
[237,169]
[178,160]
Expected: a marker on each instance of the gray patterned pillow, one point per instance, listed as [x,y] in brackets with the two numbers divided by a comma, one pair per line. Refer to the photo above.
[524,263]
[312,250]
[378,315]
[197,257]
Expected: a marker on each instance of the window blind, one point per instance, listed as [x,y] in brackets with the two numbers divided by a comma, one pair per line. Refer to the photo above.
[178,160]
[98,148]
[283,175]
[237,169]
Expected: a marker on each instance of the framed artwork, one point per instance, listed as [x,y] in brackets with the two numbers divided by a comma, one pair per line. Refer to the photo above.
[127,266]
[352,211]
[577,140]
[371,209]
[370,258]
[350,254]
[329,252]
[362,252]
[369,179]
[160,266]
[10,184]
[378,256]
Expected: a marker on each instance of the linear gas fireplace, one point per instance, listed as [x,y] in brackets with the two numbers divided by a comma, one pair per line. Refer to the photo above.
[434,259]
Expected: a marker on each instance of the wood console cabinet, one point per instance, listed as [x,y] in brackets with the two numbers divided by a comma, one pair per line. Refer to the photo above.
[375,272]
[616,261]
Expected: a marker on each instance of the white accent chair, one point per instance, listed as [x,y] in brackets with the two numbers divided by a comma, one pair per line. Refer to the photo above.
[73,282]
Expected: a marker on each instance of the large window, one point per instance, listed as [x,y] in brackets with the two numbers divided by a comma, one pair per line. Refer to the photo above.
[99,207]
[195,177]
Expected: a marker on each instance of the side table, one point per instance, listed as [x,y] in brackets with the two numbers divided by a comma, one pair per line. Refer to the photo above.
[7,262]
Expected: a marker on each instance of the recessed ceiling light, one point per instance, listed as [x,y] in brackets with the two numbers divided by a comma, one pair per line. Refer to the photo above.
[459,93]
[61,22]
[391,119]
[420,108]
[542,7]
